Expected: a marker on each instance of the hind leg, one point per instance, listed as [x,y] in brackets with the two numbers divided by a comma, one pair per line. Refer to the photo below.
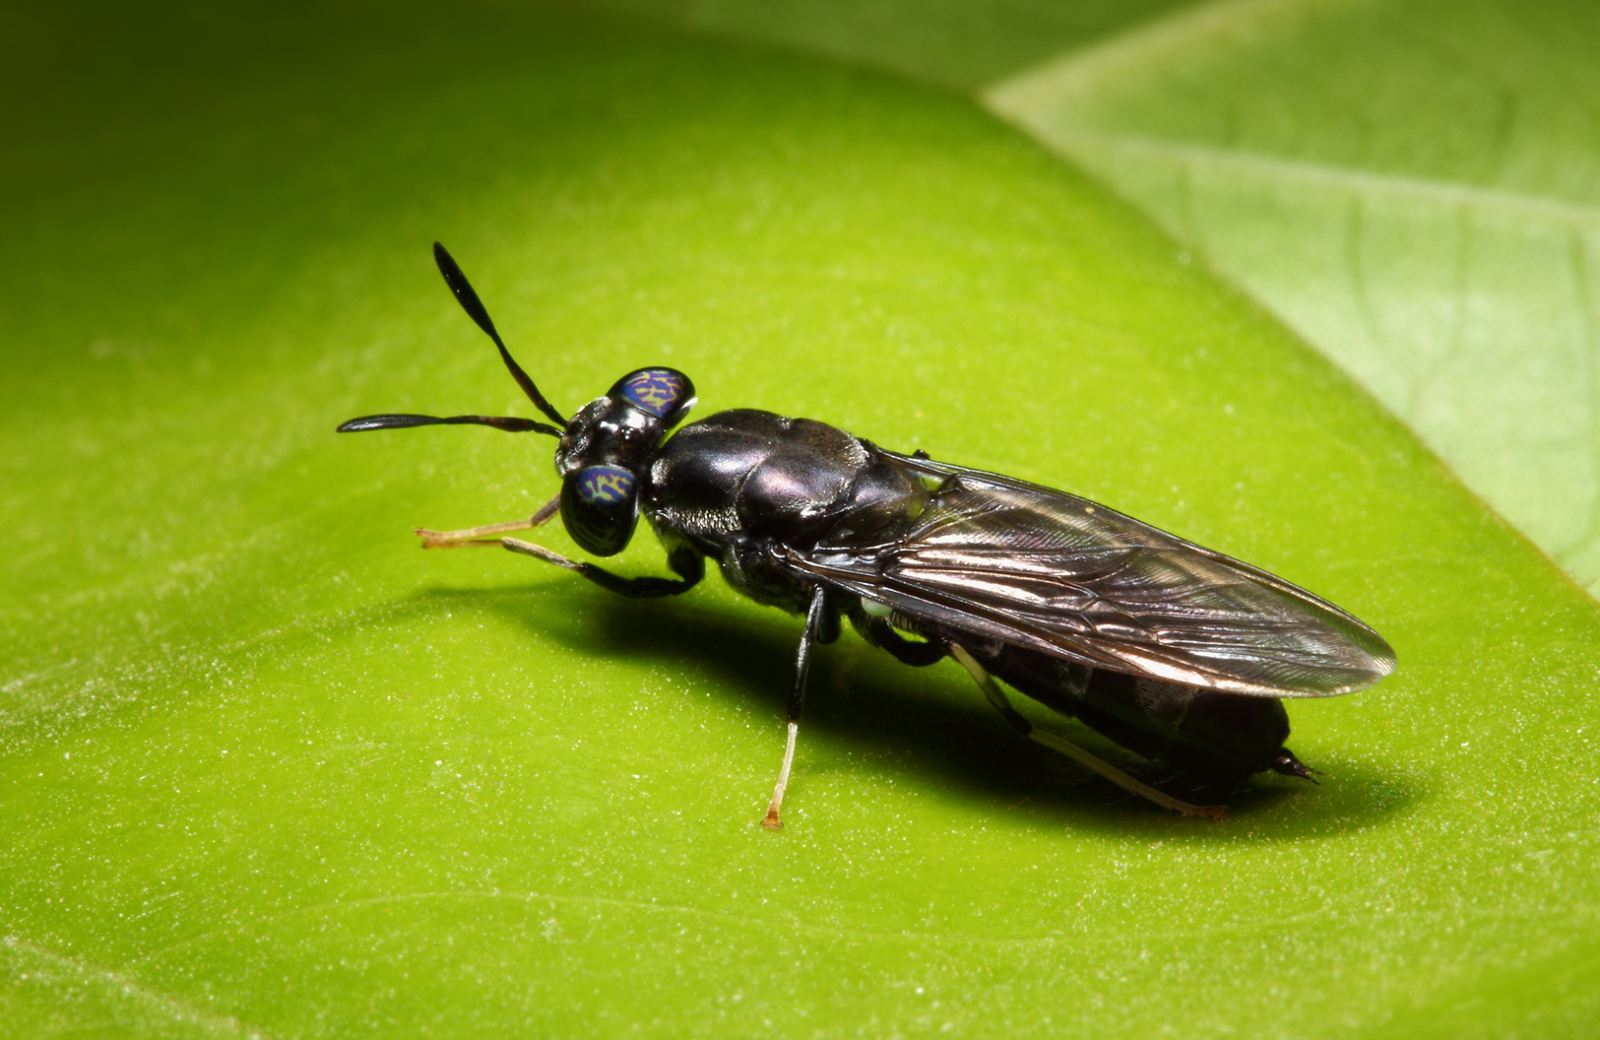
[1061,745]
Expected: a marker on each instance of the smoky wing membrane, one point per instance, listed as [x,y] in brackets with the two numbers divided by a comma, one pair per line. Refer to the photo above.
[1053,572]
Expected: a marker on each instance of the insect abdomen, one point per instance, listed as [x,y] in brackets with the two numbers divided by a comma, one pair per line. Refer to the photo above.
[1219,738]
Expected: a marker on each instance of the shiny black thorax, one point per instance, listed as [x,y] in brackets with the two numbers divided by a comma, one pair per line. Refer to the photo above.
[743,487]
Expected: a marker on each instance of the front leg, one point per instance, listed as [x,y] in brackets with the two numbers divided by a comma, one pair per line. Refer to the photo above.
[685,562]
[486,534]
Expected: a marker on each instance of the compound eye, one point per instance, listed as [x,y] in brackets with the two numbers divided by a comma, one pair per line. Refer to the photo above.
[664,393]
[599,506]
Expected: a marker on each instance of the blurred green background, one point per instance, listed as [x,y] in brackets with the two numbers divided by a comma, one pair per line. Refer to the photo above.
[1314,283]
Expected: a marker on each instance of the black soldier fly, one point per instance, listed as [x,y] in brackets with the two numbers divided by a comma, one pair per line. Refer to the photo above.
[1176,652]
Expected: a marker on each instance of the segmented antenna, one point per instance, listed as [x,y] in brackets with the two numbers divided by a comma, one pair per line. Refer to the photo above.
[475,310]
[509,423]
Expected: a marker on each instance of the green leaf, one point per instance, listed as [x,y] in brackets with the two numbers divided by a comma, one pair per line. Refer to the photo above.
[1412,187]
[268,770]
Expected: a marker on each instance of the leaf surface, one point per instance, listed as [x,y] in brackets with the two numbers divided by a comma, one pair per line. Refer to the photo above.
[268,770]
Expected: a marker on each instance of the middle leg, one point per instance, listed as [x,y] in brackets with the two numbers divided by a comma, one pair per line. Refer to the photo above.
[686,563]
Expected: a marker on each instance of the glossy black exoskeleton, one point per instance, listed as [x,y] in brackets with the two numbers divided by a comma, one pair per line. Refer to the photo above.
[1176,652]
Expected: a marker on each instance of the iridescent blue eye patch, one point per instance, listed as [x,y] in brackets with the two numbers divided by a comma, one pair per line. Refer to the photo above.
[605,485]
[659,391]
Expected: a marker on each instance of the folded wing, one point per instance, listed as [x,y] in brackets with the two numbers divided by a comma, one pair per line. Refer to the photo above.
[1034,567]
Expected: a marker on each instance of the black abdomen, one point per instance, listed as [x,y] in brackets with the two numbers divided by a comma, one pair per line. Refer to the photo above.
[1219,738]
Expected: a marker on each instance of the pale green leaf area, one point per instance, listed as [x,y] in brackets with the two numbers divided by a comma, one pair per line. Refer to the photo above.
[1414,187]
[267,770]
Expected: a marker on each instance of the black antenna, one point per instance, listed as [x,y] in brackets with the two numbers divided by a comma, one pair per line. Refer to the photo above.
[511,424]
[475,310]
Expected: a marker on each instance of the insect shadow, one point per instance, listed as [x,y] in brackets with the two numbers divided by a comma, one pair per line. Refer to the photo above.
[928,726]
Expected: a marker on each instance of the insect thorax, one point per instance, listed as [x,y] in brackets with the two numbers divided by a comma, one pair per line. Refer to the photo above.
[741,484]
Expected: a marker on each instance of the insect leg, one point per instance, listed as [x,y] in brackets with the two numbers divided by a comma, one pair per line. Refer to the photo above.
[881,634]
[689,565]
[1061,745]
[820,628]
[476,535]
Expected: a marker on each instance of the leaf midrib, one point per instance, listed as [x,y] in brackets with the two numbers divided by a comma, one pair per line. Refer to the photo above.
[1511,204]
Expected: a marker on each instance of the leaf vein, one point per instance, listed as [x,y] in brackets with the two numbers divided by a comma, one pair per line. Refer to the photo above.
[172,1007]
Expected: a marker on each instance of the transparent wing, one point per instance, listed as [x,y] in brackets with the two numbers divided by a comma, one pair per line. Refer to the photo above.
[1039,568]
